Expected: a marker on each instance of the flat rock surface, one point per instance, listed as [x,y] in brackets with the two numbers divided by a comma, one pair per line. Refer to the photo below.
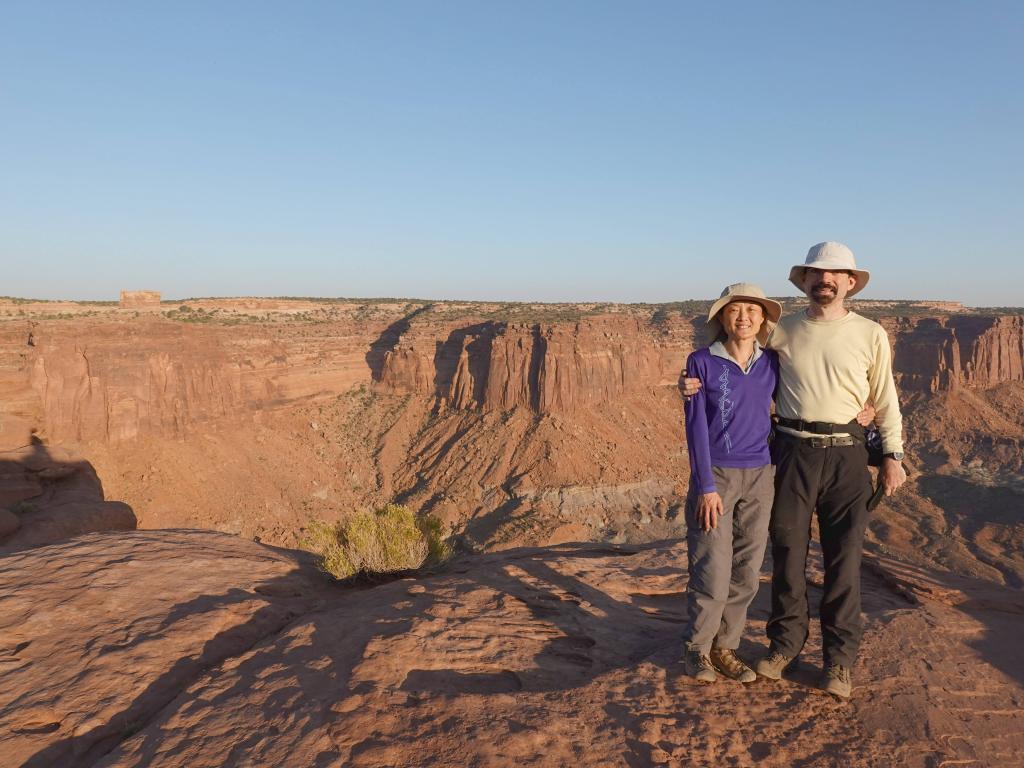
[100,632]
[181,648]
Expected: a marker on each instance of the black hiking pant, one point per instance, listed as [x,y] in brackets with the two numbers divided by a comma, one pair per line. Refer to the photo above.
[835,482]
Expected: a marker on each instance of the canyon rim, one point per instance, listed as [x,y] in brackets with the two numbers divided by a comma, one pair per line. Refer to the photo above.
[549,439]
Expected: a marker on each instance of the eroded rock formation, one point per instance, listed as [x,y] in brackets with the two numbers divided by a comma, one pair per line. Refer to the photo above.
[112,381]
[563,426]
[546,367]
[140,300]
[947,353]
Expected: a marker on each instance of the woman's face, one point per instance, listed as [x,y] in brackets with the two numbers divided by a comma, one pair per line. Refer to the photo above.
[741,320]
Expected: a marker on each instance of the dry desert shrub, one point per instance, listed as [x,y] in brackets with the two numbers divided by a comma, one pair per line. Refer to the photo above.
[374,542]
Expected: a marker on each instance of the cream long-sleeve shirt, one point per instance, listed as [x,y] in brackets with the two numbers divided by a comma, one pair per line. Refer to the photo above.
[830,368]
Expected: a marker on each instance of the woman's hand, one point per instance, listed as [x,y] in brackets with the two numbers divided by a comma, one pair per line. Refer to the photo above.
[865,417]
[709,508]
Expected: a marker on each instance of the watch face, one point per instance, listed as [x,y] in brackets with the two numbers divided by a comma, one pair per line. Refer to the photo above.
[897,455]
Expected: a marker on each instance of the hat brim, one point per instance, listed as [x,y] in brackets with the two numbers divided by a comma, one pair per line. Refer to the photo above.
[772,313]
[796,276]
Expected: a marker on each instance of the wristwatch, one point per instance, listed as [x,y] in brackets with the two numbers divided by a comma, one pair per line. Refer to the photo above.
[898,455]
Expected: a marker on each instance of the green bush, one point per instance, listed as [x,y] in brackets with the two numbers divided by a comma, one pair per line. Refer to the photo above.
[380,541]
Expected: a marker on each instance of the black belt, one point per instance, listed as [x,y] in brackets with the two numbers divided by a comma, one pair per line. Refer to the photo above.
[820,427]
[822,442]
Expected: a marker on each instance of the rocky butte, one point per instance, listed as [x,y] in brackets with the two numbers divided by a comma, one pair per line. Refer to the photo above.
[549,437]
[139,299]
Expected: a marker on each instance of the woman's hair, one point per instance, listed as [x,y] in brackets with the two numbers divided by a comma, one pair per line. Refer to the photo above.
[711,337]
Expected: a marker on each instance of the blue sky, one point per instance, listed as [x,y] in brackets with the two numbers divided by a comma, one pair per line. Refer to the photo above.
[546,151]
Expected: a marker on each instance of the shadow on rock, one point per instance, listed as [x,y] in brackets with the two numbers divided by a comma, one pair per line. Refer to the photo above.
[1001,612]
[97,681]
[987,517]
[586,630]
[377,354]
[47,494]
[518,621]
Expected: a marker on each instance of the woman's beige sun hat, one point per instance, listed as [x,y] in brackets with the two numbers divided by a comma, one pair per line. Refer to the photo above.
[744,292]
[834,257]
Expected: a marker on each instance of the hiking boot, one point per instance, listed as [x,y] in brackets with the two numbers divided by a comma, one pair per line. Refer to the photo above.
[773,664]
[729,664]
[835,679]
[699,666]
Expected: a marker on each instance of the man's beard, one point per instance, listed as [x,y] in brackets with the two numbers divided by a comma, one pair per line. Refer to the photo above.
[823,298]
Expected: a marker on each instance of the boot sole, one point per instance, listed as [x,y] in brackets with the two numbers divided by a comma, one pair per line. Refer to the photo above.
[839,695]
[742,679]
[789,666]
[695,675]
[739,679]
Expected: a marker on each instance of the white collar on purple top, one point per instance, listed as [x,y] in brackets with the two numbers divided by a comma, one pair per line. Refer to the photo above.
[718,350]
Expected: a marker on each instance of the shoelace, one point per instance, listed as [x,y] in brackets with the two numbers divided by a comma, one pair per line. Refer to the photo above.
[732,663]
[701,661]
[838,672]
[776,658]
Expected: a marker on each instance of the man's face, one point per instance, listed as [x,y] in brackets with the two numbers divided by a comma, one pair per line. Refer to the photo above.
[824,287]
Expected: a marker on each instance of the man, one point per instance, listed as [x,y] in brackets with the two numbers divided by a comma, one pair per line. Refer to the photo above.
[832,361]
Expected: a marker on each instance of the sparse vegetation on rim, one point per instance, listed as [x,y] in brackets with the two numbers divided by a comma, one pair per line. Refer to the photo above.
[187,314]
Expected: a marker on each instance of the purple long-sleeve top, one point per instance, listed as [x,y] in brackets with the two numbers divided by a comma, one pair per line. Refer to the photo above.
[728,421]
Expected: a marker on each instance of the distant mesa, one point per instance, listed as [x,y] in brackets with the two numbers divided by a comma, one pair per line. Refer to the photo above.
[140,299]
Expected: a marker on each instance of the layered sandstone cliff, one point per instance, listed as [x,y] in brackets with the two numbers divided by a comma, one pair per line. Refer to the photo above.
[546,367]
[557,368]
[948,353]
[113,380]
[565,426]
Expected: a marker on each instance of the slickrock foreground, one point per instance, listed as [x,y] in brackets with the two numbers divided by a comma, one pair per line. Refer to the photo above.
[188,648]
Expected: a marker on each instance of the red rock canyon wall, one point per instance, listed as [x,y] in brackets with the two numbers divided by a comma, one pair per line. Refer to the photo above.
[113,380]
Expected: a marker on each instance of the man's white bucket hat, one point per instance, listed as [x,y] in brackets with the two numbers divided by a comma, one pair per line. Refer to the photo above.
[834,257]
[744,292]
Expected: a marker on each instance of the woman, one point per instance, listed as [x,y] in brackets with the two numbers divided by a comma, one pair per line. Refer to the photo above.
[729,503]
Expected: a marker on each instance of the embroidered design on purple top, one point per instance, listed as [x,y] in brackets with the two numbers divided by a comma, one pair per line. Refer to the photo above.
[727,422]
[725,405]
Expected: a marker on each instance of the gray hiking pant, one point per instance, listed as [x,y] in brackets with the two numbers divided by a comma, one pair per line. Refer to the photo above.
[725,562]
